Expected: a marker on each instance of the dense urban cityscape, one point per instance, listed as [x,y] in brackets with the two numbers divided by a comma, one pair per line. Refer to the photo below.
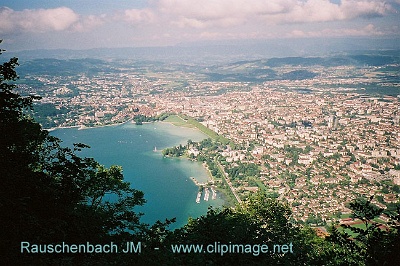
[317,139]
[183,132]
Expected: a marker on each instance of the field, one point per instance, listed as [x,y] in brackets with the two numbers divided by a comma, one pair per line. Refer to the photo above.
[178,121]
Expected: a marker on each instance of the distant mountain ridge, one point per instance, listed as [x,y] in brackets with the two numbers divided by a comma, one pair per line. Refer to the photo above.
[258,70]
[225,51]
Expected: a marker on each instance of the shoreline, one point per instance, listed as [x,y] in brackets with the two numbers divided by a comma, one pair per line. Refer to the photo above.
[81,127]
[183,124]
[210,177]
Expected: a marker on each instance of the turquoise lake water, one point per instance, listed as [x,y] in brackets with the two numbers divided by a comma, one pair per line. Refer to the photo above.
[166,182]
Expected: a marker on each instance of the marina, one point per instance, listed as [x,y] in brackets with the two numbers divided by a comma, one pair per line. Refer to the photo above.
[207,189]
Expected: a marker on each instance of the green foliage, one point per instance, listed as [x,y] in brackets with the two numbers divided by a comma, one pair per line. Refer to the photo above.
[176,151]
[46,113]
[164,116]
[51,195]
[258,221]
[243,170]
[370,244]
[140,119]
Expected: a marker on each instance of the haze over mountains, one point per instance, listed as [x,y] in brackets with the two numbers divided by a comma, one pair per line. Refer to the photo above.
[223,51]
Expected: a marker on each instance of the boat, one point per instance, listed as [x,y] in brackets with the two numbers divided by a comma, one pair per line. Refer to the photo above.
[198,197]
[206,194]
[214,193]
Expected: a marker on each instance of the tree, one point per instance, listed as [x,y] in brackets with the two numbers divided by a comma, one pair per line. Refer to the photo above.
[49,194]
[371,244]
[258,221]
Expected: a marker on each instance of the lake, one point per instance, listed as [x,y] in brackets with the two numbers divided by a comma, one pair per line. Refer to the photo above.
[166,182]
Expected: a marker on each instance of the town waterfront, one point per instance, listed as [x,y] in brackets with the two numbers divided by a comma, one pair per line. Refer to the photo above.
[166,182]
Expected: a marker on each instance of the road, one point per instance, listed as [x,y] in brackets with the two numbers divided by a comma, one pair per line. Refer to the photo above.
[227,180]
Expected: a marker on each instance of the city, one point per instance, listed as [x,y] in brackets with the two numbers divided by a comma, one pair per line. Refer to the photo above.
[203,132]
[314,137]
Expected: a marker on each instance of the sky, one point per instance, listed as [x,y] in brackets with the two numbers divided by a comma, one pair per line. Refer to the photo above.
[85,24]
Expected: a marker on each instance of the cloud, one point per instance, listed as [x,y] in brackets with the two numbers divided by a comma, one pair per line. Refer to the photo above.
[227,13]
[324,11]
[87,23]
[239,19]
[136,16]
[202,15]
[368,30]
[354,8]
[222,13]
[162,22]
[36,20]
[214,10]
[312,11]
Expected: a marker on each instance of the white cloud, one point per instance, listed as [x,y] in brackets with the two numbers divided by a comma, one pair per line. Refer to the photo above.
[221,13]
[228,13]
[324,10]
[139,15]
[312,11]
[354,8]
[36,20]
[163,22]
[239,19]
[368,30]
[89,22]
[204,14]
